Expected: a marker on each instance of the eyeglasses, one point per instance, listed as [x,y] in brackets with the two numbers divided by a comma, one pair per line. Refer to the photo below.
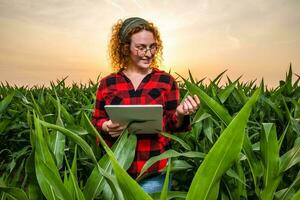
[141,51]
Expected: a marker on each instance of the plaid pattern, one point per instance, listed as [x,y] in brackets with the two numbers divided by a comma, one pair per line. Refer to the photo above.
[158,87]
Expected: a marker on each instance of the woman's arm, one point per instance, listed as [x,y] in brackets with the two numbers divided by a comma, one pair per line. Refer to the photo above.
[99,115]
[172,121]
[186,107]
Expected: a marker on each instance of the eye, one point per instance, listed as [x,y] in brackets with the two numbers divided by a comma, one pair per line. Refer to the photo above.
[153,47]
[141,48]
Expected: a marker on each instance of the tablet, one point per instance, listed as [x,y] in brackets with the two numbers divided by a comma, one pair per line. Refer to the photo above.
[148,118]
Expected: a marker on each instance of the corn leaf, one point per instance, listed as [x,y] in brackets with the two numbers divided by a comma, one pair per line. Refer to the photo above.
[130,188]
[164,192]
[43,155]
[291,157]
[296,196]
[171,195]
[222,155]
[218,109]
[6,101]
[177,139]
[47,176]
[290,191]
[124,150]
[270,155]
[224,94]
[168,154]
[15,192]
[75,187]
[57,140]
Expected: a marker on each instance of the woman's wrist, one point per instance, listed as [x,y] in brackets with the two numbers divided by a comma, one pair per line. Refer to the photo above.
[104,126]
[178,115]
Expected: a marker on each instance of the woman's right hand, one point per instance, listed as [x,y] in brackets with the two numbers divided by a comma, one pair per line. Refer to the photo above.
[113,129]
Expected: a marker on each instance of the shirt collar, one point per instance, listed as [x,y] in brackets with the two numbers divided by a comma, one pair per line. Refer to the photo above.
[154,70]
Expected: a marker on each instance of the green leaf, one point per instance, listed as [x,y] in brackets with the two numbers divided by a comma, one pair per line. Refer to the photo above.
[222,155]
[178,165]
[75,187]
[125,157]
[130,188]
[164,192]
[46,176]
[256,167]
[69,118]
[6,101]
[191,77]
[177,139]
[73,136]
[233,174]
[291,157]
[218,109]
[43,155]
[208,129]
[224,94]
[288,192]
[58,139]
[296,196]
[82,143]
[171,195]
[219,77]
[168,154]
[15,192]
[124,150]
[270,155]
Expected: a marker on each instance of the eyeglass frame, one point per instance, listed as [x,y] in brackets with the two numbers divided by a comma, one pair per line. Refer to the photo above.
[145,49]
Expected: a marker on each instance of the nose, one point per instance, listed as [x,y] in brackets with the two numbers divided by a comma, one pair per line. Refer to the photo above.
[148,53]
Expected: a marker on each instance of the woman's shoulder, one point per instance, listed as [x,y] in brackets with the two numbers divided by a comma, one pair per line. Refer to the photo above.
[109,79]
[164,76]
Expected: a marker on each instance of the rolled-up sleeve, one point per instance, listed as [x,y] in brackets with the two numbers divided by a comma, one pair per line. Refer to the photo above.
[99,115]
[172,100]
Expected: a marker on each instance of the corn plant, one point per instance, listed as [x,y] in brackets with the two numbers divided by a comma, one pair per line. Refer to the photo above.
[244,143]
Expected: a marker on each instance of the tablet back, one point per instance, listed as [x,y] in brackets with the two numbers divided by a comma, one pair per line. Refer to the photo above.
[148,118]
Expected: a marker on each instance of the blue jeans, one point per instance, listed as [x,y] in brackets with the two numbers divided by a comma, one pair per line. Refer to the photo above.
[155,183]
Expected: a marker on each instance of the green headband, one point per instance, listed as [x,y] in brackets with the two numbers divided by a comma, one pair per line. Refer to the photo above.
[128,24]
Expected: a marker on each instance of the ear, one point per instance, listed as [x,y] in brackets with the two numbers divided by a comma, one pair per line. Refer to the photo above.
[126,49]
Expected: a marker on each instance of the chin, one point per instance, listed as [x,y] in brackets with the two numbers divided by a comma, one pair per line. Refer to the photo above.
[144,66]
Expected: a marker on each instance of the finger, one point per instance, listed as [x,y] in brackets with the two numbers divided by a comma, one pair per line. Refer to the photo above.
[185,107]
[190,107]
[113,125]
[104,126]
[193,102]
[114,134]
[197,99]
[122,127]
[119,128]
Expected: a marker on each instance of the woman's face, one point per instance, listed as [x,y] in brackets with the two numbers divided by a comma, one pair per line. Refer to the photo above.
[142,49]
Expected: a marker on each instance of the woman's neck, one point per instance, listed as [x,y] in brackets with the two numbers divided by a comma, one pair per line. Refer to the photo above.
[131,70]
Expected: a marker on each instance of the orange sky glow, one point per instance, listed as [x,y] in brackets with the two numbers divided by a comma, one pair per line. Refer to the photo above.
[42,41]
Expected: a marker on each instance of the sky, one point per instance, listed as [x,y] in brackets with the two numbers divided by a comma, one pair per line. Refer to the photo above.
[42,41]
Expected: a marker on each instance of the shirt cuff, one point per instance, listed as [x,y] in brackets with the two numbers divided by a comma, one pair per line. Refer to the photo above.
[100,123]
[104,134]
[185,126]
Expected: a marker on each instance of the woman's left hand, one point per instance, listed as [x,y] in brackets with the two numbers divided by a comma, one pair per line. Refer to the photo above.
[188,106]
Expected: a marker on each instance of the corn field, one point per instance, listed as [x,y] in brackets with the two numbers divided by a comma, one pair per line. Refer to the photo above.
[244,144]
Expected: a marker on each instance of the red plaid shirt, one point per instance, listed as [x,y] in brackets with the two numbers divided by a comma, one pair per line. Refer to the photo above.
[158,87]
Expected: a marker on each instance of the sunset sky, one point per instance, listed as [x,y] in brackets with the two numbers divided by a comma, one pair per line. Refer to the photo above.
[43,40]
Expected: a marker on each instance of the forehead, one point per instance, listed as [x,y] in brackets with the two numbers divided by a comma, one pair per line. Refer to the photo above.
[143,37]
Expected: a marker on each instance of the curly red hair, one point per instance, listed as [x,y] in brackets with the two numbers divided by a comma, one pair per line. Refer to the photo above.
[117,53]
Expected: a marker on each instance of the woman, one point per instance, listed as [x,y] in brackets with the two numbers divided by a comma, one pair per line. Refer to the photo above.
[135,51]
